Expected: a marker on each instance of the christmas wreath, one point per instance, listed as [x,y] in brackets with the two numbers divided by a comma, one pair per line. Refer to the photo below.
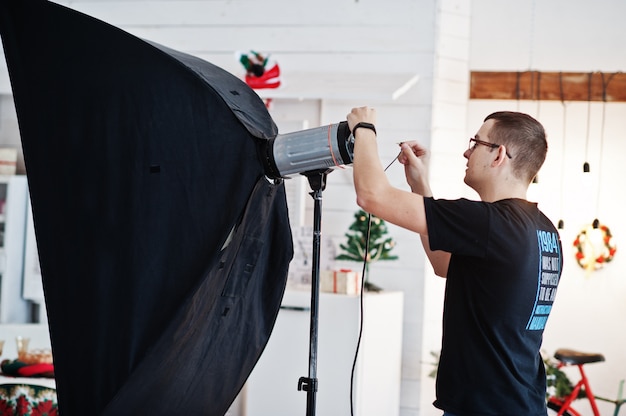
[594,246]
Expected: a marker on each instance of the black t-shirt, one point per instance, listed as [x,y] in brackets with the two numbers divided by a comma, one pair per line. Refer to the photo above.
[504,270]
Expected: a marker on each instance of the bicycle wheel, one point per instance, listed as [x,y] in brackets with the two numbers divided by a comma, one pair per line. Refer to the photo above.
[553,409]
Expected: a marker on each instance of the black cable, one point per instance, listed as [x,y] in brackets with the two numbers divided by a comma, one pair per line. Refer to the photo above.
[604,99]
[586,167]
[358,343]
[561,223]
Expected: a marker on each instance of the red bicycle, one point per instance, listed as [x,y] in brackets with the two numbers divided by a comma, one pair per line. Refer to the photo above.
[582,389]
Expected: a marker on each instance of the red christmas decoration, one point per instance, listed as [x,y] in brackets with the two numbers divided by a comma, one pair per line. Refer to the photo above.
[594,246]
[261,73]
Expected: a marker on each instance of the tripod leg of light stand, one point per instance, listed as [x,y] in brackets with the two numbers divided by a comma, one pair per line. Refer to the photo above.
[317,180]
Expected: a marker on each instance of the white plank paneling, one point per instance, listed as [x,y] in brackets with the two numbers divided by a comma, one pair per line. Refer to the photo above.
[327,62]
[344,86]
[253,13]
[313,40]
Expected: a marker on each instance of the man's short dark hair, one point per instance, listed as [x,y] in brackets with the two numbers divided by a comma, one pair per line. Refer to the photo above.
[524,138]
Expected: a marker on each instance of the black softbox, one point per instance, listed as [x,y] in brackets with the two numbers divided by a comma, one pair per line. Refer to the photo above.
[163,247]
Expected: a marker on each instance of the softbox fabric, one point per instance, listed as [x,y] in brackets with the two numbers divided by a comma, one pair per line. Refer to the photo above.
[163,248]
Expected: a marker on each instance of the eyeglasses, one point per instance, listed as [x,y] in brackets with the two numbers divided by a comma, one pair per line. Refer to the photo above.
[484,143]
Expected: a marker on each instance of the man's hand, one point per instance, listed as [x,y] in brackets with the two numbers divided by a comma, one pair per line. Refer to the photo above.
[412,157]
[361,114]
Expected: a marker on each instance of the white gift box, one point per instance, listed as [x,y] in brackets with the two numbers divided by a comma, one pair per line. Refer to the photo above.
[8,161]
[344,281]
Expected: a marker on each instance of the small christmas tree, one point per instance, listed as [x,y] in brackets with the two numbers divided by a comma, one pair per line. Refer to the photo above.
[380,245]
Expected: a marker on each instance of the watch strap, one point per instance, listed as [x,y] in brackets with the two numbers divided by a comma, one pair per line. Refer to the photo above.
[365,126]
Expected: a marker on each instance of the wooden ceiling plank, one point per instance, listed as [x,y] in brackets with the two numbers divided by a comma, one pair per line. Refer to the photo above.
[548,86]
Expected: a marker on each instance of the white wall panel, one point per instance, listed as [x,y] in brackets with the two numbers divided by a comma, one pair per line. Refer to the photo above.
[254,13]
[446,164]
[325,62]
[280,38]
[578,35]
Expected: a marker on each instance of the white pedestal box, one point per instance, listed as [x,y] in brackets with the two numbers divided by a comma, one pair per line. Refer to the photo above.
[272,387]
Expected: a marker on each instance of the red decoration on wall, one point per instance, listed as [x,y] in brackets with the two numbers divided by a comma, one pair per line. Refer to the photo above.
[594,246]
[261,73]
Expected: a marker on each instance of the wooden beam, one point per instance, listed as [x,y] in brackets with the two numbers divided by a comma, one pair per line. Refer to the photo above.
[559,86]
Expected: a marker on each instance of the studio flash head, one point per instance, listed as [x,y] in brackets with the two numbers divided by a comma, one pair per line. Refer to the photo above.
[319,148]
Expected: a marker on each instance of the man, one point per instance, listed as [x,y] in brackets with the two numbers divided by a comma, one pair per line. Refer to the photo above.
[501,257]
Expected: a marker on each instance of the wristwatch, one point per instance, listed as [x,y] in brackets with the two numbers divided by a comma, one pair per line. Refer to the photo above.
[364,125]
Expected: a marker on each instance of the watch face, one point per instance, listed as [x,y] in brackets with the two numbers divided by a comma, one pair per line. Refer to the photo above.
[301,266]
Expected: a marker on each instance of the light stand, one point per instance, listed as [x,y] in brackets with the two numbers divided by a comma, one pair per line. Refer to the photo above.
[317,180]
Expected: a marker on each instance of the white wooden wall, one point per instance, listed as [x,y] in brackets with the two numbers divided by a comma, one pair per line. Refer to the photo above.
[334,55]
[323,35]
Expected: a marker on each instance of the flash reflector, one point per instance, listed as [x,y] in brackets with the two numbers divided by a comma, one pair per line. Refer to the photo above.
[325,147]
